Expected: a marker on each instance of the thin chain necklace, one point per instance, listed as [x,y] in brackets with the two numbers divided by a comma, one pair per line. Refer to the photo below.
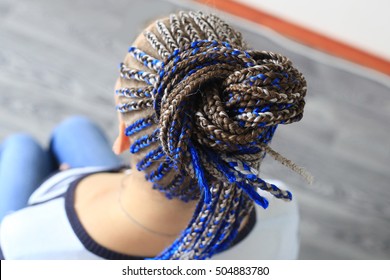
[131,218]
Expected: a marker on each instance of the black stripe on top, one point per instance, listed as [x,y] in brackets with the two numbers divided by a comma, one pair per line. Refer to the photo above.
[1,255]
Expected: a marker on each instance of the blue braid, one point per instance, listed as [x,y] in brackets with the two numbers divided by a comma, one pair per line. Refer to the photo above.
[253,194]
[243,150]
[215,237]
[139,75]
[173,135]
[248,189]
[134,106]
[145,141]
[135,92]
[206,220]
[260,183]
[145,59]
[139,125]
[167,253]
[150,158]
[225,244]
[161,171]
[173,186]
[199,172]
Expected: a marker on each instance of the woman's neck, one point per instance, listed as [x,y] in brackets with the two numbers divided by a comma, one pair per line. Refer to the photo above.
[124,213]
[150,209]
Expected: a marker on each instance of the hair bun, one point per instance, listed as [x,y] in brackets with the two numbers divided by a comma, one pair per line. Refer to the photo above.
[214,96]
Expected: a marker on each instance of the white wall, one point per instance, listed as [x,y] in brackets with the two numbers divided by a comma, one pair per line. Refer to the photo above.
[360,23]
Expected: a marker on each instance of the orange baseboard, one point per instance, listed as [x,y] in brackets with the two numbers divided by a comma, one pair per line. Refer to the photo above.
[302,35]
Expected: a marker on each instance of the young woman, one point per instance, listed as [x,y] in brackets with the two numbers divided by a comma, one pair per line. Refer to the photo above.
[198,110]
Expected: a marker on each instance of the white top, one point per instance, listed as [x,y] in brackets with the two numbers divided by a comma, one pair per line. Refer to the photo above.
[50,229]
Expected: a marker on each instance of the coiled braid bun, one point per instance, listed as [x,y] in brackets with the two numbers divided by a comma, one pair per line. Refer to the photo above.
[201,110]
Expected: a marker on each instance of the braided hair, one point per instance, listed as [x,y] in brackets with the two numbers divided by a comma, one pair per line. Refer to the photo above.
[200,110]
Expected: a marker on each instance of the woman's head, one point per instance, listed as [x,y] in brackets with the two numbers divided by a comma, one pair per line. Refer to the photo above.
[199,110]
[159,41]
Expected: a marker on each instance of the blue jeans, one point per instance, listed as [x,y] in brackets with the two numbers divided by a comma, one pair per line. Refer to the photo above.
[24,164]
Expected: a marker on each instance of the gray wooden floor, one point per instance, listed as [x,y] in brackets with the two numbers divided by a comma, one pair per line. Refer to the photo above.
[59,58]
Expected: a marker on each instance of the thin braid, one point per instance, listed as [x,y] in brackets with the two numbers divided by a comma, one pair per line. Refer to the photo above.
[129,74]
[156,44]
[161,171]
[232,36]
[189,28]
[203,25]
[150,158]
[176,189]
[225,199]
[166,36]
[181,38]
[232,218]
[134,105]
[213,108]
[139,93]
[215,222]
[290,164]
[144,142]
[145,59]
[140,125]
[189,242]
[221,32]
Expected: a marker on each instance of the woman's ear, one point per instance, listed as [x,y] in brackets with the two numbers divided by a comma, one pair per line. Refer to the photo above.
[122,142]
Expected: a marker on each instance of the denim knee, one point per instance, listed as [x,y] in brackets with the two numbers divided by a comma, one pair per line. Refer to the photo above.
[22,141]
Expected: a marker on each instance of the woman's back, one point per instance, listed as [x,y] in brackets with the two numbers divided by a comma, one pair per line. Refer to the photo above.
[62,232]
